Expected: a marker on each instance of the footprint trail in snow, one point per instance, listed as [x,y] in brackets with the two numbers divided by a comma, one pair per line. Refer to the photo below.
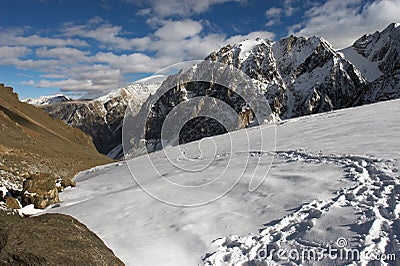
[375,196]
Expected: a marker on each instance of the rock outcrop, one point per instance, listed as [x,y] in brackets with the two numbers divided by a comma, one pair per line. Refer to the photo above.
[40,190]
[51,239]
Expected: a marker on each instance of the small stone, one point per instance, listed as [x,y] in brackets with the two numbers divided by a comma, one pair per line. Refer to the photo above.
[13,203]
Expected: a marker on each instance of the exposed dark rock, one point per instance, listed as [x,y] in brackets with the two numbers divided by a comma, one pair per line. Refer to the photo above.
[51,239]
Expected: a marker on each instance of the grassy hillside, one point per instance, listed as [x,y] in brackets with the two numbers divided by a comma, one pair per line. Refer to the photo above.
[31,142]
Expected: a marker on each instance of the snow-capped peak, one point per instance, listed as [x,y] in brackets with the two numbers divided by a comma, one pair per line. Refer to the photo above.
[246,47]
[376,54]
[46,100]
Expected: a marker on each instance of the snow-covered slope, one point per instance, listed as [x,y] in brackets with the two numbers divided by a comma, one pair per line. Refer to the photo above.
[334,176]
[369,69]
[46,100]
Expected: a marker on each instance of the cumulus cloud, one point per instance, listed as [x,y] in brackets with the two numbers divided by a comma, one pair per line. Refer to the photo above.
[85,78]
[108,35]
[274,15]
[39,65]
[19,36]
[130,63]
[65,60]
[274,12]
[13,51]
[167,8]
[63,53]
[289,7]
[342,22]
[178,30]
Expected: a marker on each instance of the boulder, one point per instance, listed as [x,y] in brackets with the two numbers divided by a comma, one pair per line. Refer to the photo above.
[40,190]
[51,239]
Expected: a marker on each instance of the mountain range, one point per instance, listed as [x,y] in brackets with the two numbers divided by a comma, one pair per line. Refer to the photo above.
[101,118]
[297,75]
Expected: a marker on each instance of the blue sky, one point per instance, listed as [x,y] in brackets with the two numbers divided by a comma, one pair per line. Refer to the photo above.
[75,47]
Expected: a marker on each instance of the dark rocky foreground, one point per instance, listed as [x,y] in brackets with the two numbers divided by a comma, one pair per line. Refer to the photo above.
[51,239]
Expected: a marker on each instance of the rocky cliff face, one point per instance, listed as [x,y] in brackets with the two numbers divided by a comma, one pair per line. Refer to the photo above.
[380,55]
[298,76]
[102,117]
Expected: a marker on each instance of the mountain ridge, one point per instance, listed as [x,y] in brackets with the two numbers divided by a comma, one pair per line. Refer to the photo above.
[297,75]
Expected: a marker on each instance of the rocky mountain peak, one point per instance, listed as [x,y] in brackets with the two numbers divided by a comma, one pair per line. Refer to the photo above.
[297,76]
[377,55]
[382,47]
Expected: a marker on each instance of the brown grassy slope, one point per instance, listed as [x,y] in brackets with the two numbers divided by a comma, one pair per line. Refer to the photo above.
[31,141]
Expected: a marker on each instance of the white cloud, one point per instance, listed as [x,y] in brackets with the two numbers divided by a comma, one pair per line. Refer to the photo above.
[105,64]
[167,8]
[67,85]
[28,83]
[130,63]
[62,53]
[13,51]
[108,35]
[86,78]
[39,65]
[18,36]
[274,12]
[178,30]
[289,8]
[342,22]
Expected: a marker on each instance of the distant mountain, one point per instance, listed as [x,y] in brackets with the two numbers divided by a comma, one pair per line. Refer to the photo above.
[377,55]
[46,100]
[102,118]
[38,155]
[298,76]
